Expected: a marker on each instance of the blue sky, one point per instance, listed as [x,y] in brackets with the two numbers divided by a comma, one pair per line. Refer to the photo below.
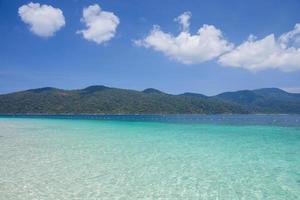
[69,59]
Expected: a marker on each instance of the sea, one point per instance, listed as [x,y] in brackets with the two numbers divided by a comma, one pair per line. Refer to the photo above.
[167,157]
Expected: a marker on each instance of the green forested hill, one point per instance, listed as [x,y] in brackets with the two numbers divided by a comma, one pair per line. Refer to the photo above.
[267,100]
[106,100]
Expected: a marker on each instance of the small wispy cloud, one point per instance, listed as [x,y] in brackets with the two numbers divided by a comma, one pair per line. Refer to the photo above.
[184,20]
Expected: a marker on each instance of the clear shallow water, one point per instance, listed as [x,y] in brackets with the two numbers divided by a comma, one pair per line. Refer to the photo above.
[143,159]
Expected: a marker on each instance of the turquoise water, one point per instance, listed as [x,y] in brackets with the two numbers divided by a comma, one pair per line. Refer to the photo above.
[113,159]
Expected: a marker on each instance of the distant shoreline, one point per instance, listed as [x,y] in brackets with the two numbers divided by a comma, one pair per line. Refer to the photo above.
[154,114]
[233,119]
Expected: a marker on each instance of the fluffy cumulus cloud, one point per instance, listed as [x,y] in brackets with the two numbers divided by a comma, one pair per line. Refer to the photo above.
[43,20]
[101,25]
[281,53]
[208,43]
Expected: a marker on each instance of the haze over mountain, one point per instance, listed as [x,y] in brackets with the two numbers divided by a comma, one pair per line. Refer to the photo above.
[107,100]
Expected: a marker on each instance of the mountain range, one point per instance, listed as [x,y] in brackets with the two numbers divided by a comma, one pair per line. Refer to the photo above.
[107,100]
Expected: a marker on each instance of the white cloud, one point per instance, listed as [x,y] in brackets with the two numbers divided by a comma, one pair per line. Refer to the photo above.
[207,44]
[101,25]
[291,38]
[269,52]
[184,20]
[43,20]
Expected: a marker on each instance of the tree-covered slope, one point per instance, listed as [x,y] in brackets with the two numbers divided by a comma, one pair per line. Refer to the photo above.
[105,100]
[267,100]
